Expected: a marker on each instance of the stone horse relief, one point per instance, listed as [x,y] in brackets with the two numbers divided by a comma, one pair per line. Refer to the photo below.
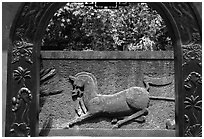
[129,104]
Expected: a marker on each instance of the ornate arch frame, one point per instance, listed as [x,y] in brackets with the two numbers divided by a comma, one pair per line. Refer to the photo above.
[184,23]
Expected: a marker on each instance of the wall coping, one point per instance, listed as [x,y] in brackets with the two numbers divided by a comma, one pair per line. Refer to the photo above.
[109,55]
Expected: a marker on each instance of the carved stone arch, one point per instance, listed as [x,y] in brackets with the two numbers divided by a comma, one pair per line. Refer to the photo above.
[162,9]
[24,54]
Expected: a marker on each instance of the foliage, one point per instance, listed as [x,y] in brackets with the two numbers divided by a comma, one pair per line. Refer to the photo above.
[133,27]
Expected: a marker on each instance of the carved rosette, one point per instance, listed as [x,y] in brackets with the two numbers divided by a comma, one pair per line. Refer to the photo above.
[192,52]
[22,48]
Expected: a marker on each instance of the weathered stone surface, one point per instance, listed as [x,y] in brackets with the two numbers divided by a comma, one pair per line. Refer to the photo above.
[12,10]
[114,133]
[112,76]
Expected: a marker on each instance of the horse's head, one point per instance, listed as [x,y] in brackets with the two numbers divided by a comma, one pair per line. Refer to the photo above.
[82,81]
[78,86]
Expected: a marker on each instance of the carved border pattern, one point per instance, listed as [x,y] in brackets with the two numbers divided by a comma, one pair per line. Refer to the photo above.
[22,53]
[193,103]
[192,54]
[20,104]
[22,50]
[192,65]
[20,108]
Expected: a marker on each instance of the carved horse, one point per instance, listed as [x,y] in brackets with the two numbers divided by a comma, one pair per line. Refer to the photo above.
[132,102]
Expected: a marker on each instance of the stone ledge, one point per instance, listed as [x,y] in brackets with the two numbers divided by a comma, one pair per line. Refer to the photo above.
[119,55]
[114,132]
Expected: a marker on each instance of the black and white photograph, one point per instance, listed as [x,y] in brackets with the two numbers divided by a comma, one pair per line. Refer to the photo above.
[102,69]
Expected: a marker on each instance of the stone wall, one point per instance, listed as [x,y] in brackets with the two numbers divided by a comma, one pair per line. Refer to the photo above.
[112,76]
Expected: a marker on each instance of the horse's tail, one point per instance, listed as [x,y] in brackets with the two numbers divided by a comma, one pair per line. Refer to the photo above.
[147,87]
[163,81]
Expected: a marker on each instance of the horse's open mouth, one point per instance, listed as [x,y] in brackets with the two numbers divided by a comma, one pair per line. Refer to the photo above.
[80,108]
[74,96]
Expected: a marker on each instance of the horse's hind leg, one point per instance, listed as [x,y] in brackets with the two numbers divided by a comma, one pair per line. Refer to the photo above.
[140,119]
[79,119]
[131,117]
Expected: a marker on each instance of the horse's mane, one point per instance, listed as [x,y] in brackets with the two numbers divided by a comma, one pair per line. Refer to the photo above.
[88,74]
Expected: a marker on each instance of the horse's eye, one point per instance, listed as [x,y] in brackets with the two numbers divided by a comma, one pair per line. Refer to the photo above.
[81,88]
[74,86]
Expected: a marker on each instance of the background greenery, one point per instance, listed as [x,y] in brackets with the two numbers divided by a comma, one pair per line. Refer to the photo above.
[134,27]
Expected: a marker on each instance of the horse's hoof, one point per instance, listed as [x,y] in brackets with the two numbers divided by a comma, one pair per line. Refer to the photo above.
[69,125]
[140,119]
[170,124]
[115,126]
[146,113]
[114,121]
[66,127]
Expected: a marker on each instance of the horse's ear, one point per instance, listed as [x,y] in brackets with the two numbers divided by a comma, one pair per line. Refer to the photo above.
[71,79]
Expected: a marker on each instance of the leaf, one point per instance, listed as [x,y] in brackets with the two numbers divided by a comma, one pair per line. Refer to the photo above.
[187,103]
[27,72]
[195,99]
[198,108]
[20,69]
[17,78]
[186,118]
[187,106]
[16,73]
[30,50]
[188,99]
[198,103]
[27,76]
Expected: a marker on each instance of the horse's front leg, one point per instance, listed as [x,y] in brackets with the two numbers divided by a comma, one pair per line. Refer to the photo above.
[79,119]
